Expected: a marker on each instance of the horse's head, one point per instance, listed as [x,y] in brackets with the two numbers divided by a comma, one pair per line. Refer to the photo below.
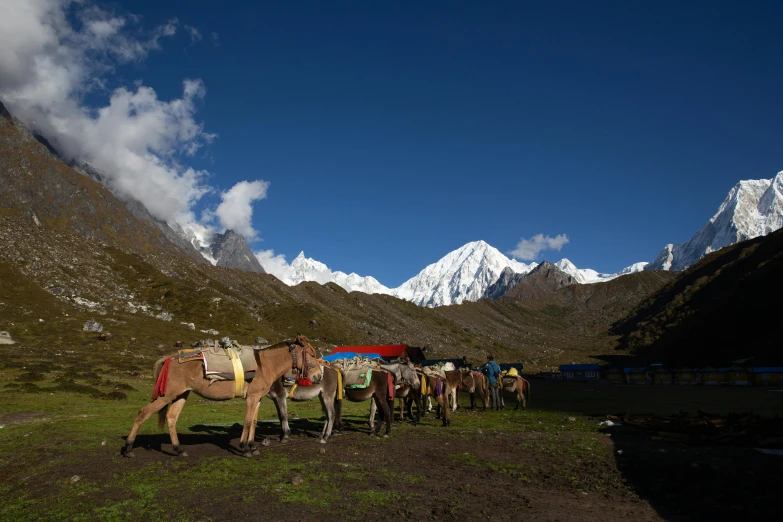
[466,380]
[304,360]
[410,374]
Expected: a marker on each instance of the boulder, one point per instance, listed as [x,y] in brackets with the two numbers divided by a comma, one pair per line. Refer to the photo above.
[5,338]
[92,326]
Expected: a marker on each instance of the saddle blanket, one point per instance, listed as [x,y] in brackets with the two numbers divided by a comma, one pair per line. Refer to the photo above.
[509,382]
[217,363]
[434,371]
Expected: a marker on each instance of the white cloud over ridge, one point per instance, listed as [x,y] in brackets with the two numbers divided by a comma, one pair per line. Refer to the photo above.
[236,208]
[528,249]
[49,66]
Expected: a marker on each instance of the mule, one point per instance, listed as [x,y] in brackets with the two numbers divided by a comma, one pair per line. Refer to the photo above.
[435,387]
[182,378]
[481,388]
[407,384]
[379,392]
[302,358]
[459,380]
[326,391]
[520,387]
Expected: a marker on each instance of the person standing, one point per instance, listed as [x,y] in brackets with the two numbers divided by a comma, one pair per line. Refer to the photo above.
[493,375]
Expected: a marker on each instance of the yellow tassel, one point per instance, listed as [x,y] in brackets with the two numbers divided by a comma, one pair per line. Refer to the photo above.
[339,385]
[291,391]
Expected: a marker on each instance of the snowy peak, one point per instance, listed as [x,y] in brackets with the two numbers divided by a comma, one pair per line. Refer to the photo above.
[307,269]
[751,209]
[589,276]
[464,274]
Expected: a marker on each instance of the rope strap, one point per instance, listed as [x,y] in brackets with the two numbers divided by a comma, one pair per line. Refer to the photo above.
[239,372]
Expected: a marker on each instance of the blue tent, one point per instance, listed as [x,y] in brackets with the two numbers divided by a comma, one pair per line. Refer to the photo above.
[350,355]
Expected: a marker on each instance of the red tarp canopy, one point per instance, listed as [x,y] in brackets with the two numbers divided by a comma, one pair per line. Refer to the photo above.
[387,351]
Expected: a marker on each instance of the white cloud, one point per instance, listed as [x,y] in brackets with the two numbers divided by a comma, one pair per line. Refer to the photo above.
[275,264]
[235,211]
[138,142]
[528,249]
[195,34]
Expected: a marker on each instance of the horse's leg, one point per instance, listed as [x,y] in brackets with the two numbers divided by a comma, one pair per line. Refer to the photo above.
[252,403]
[251,445]
[145,413]
[384,405]
[372,416]
[446,411]
[417,398]
[328,406]
[338,415]
[171,419]
[282,413]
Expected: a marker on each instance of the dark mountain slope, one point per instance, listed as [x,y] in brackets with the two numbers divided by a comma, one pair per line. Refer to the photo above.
[543,280]
[723,308]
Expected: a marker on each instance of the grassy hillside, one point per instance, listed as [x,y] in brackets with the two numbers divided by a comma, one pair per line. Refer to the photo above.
[66,279]
[721,309]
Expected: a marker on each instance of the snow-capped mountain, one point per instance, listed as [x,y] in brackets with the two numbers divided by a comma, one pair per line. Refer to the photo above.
[752,208]
[308,269]
[461,275]
[589,276]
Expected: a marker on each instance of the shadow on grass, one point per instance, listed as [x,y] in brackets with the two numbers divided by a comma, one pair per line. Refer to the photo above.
[222,435]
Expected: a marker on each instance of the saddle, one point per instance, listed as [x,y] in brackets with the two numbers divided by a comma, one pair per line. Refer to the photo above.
[223,360]
[356,372]
[436,371]
[509,382]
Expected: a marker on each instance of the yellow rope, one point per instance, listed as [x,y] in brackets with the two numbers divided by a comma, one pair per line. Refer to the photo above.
[339,385]
[291,391]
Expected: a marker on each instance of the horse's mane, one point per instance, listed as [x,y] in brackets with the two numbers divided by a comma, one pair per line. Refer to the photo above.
[286,344]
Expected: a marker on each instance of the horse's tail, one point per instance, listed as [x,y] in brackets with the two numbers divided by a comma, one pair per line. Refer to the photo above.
[526,389]
[155,373]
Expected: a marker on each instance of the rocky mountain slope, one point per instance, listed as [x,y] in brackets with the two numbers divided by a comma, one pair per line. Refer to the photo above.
[753,208]
[230,250]
[543,280]
[721,309]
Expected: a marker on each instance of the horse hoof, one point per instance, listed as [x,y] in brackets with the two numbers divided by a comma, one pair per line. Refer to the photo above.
[129,454]
[322,441]
[285,440]
[184,454]
[385,435]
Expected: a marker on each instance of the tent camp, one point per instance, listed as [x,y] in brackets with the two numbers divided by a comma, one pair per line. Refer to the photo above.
[390,352]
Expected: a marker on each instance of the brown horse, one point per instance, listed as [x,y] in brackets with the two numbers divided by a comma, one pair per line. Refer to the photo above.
[480,386]
[378,391]
[326,390]
[300,358]
[406,385]
[519,387]
[189,376]
[459,380]
[440,389]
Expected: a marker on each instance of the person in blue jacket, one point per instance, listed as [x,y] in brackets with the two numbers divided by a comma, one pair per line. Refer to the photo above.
[492,370]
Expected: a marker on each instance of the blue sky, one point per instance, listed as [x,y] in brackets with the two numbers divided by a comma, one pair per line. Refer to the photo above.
[391,135]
